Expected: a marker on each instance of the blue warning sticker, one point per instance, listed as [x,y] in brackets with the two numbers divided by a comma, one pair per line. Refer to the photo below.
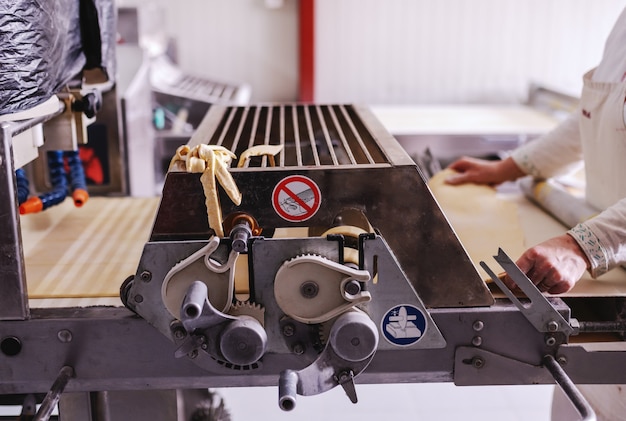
[403,325]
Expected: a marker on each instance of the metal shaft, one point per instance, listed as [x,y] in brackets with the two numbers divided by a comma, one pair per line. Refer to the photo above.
[602,327]
[53,395]
[571,391]
[287,390]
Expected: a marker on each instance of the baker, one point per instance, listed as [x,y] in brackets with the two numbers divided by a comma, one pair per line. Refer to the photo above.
[596,134]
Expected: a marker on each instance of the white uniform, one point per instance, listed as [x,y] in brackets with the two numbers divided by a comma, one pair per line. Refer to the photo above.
[597,134]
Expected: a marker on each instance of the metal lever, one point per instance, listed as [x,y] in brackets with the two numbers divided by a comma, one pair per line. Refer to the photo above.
[54,394]
[539,312]
[569,388]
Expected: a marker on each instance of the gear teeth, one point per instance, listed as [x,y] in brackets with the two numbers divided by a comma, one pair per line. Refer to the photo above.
[299,256]
[324,331]
[248,308]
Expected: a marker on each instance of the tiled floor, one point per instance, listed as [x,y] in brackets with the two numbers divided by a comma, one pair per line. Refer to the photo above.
[396,402]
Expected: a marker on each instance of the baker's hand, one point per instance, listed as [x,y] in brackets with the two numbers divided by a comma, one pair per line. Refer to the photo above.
[554,265]
[481,171]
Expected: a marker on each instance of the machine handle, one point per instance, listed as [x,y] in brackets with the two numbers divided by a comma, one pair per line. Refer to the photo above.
[287,390]
[569,388]
[54,394]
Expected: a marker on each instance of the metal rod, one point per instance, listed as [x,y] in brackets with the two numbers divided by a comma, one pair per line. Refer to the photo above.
[242,123]
[287,390]
[309,126]
[342,135]
[329,142]
[356,134]
[569,388]
[296,135]
[54,394]
[602,327]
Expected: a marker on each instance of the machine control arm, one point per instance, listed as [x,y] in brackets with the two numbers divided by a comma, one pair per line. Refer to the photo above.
[352,344]
[539,312]
[239,340]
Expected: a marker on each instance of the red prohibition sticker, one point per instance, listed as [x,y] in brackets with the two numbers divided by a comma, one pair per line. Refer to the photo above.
[296,198]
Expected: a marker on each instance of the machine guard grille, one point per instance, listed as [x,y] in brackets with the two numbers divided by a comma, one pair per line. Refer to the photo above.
[311,135]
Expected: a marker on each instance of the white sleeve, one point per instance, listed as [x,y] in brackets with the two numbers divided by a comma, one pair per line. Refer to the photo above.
[603,238]
[554,153]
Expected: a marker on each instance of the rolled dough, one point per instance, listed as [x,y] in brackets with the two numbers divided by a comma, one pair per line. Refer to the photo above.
[482,221]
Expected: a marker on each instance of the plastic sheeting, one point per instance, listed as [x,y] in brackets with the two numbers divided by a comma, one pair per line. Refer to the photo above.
[98,20]
[42,48]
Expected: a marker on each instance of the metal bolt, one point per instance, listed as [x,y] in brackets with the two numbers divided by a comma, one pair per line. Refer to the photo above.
[477,341]
[352,287]
[193,354]
[146,276]
[478,362]
[289,329]
[202,339]
[239,236]
[550,341]
[179,333]
[561,359]
[139,298]
[552,326]
[343,377]
[478,325]
[309,289]
[298,348]
[64,336]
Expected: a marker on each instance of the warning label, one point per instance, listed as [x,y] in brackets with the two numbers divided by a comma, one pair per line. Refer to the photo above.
[296,198]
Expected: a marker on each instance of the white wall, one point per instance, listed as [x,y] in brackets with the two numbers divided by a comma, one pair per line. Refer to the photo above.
[395,51]
[455,51]
[238,41]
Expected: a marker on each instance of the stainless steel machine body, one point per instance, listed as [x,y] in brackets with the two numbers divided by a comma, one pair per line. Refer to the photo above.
[410,307]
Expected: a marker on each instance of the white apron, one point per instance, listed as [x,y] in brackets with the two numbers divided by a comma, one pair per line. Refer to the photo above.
[603,134]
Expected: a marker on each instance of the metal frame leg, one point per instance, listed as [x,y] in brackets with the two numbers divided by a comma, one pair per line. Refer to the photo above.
[14,298]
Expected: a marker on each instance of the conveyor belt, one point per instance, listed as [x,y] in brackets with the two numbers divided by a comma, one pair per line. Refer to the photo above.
[86,252]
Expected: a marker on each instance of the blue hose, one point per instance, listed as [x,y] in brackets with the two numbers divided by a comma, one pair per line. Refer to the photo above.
[23,187]
[76,172]
[58,179]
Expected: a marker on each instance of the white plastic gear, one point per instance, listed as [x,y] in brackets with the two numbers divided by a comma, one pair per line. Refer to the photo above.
[248,308]
[329,300]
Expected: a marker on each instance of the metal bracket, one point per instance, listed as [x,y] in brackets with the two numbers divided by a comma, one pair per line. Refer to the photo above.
[540,313]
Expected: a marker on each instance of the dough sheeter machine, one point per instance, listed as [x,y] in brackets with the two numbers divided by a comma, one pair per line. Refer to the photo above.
[335,267]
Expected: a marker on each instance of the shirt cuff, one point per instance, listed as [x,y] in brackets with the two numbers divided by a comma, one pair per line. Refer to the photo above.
[592,247]
[521,157]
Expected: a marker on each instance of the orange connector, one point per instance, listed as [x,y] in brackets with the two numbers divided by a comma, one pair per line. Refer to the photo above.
[80,197]
[32,205]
